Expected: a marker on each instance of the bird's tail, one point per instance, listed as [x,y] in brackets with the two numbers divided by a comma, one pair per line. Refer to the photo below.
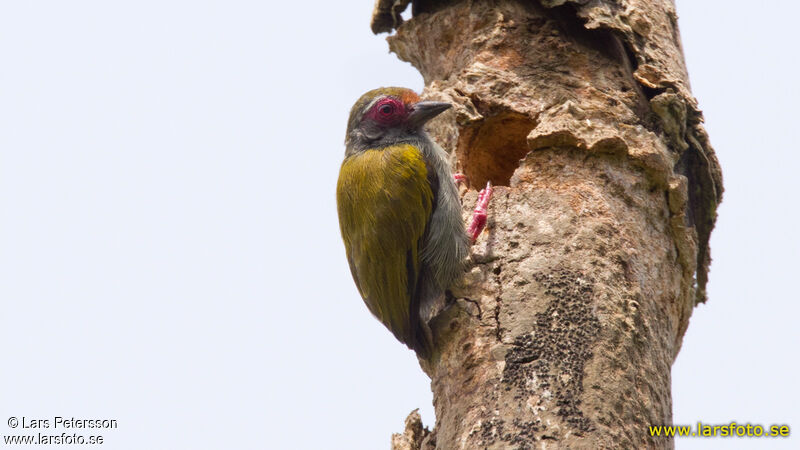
[423,340]
[426,290]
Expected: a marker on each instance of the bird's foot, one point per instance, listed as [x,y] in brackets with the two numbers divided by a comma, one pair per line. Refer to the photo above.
[460,178]
[479,215]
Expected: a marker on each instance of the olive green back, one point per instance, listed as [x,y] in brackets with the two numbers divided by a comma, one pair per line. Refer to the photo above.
[384,202]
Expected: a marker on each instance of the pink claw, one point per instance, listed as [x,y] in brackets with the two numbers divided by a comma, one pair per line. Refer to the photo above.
[479,216]
[459,177]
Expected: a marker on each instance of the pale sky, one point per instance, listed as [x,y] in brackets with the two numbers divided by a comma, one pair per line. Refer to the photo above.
[170,254]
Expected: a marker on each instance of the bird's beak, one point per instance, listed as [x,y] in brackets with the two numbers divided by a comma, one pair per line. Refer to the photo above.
[422,112]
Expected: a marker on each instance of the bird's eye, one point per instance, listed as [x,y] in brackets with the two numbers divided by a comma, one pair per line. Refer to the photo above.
[386,109]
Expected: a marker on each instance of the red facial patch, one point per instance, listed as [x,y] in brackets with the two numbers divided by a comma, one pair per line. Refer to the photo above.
[388,111]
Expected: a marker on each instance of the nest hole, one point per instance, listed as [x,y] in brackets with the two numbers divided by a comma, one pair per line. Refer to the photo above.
[491,149]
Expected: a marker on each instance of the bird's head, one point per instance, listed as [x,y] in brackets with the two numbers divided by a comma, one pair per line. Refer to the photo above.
[388,116]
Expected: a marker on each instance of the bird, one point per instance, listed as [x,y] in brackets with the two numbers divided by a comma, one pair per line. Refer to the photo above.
[400,212]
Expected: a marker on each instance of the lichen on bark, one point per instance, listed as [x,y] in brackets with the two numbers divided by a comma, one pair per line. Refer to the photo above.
[575,305]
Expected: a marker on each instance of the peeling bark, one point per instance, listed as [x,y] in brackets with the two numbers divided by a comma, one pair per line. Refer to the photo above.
[414,437]
[580,112]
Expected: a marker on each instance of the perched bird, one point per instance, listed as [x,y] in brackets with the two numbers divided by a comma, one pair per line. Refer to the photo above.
[400,213]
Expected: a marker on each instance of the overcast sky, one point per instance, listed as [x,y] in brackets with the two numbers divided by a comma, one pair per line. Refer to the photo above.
[170,254]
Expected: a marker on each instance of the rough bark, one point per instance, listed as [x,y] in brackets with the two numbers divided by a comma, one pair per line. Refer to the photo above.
[567,323]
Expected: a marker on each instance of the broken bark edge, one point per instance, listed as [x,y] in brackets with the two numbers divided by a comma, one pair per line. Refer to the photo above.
[415,436]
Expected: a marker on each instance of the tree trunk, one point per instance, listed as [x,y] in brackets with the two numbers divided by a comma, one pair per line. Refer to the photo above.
[574,308]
